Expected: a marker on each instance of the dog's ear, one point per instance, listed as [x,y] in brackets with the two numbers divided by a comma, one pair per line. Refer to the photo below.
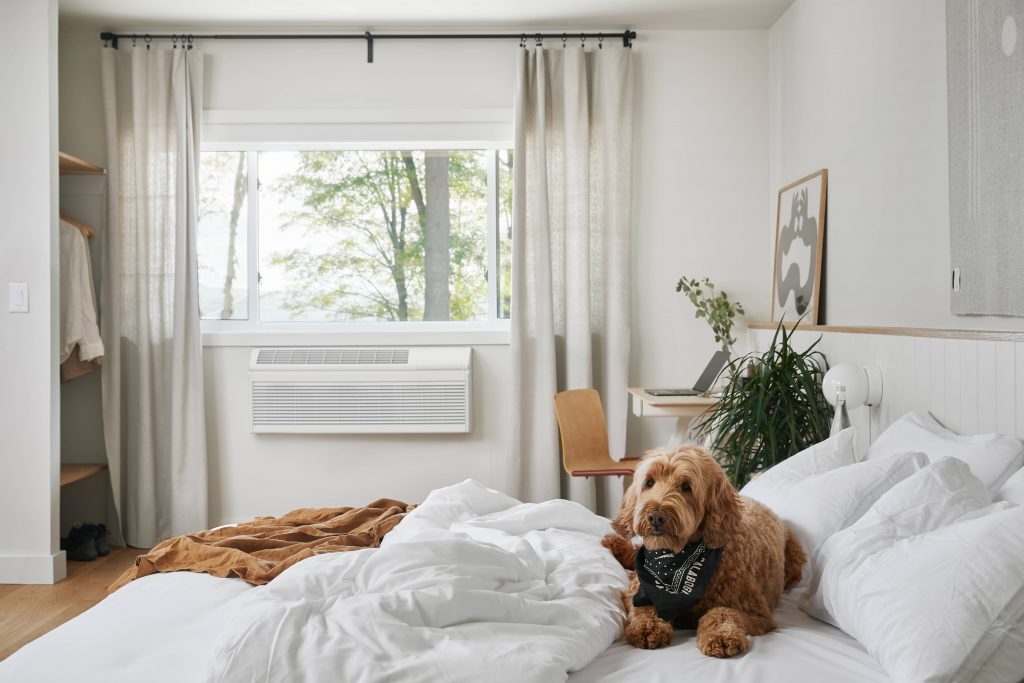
[722,512]
[623,522]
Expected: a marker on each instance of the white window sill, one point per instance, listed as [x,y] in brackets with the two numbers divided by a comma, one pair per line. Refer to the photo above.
[218,334]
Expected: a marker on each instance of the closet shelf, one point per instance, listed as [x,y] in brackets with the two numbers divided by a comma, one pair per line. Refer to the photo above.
[72,165]
[72,472]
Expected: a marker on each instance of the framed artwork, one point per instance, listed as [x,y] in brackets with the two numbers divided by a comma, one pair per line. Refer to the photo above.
[799,242]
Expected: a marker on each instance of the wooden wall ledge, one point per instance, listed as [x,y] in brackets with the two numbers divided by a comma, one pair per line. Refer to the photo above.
[934,333]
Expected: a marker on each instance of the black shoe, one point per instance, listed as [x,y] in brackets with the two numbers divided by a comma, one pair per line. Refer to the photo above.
[81,544]
[99,533]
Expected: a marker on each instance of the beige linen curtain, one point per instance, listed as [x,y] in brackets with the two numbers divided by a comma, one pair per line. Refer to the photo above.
[154,423]
[571,254]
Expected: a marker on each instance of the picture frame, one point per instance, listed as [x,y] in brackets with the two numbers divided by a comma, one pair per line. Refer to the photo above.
[798,258]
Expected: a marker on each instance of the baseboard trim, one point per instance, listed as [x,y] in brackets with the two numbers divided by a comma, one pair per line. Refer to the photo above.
[34,569]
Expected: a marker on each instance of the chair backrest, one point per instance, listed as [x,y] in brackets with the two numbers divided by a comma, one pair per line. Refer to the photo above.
[584,435]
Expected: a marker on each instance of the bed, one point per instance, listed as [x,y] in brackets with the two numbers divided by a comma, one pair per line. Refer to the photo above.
[185,626]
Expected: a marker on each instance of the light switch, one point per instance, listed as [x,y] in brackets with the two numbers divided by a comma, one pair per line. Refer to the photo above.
[18,297]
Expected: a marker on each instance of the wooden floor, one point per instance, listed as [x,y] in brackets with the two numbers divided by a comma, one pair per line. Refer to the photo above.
[27,612]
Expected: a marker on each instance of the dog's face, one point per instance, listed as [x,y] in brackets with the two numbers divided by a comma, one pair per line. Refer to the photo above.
[677,498]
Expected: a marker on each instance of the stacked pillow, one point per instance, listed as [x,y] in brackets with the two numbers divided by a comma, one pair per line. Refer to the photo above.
[908,553]
[930,580]
[991,457]
[824,489]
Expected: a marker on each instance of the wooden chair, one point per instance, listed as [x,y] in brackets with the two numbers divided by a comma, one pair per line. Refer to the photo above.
[585,437]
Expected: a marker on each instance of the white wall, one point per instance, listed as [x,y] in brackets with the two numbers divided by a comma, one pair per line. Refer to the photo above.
[860,88]
[29,408]
[700,205]
[699,197]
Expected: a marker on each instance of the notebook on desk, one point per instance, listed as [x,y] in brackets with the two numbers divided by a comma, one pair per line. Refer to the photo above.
[703,383]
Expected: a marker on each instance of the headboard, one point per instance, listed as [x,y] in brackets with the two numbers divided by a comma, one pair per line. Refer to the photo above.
[967,379]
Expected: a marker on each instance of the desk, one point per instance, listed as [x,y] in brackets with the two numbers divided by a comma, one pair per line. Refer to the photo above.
[683,408]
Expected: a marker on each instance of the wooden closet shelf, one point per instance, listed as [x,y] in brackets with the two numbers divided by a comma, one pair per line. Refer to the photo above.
[72,165]
[72,472]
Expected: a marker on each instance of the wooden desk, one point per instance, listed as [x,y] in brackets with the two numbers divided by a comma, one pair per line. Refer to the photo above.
[683,408]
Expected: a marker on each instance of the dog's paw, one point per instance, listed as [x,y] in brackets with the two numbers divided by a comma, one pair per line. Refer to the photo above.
[648,634]
[724,644]
[621,549]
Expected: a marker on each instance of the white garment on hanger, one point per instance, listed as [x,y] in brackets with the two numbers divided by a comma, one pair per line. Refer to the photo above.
[77,299]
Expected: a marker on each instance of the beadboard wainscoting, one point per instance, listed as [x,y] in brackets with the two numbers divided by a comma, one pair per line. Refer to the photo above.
[971,381]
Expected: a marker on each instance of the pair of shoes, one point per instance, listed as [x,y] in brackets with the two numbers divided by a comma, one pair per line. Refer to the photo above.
[86,541]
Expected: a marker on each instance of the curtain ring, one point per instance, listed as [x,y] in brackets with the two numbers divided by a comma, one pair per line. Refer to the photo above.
[600,41]
[174,41]
[522,40]
[133,39]
[148,39]
[539,39]
[583,40]
[190,41]
[564,39]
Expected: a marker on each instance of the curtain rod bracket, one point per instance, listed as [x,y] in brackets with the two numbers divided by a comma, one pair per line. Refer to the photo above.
[369,48]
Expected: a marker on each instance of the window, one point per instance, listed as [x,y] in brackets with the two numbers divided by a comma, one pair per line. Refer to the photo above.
[355,235]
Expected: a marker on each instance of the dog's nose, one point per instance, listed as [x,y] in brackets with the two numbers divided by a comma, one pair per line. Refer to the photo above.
[657,519]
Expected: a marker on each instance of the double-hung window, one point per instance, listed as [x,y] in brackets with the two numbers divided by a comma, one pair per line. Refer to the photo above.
[321,234]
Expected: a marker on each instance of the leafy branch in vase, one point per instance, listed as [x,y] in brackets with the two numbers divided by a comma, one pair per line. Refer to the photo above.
[714,306]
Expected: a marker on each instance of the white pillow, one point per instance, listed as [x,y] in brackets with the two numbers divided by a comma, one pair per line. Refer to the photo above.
[991,457]
[1013,490]
[817,506]
[835,451]
[929,580]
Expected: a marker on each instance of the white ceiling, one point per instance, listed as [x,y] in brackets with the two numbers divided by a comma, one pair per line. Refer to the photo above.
[395,14]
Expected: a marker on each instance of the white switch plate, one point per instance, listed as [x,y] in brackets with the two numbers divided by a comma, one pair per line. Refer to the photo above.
[18,297]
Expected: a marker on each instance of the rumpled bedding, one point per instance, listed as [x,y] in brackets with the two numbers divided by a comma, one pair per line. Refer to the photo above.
[472,586]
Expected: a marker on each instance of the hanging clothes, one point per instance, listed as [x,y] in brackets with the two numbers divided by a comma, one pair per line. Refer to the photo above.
[81,348]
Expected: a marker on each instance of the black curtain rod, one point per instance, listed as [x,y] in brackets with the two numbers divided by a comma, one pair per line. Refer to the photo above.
[186,39]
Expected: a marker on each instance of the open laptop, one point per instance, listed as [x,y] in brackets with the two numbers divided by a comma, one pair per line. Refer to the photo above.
[703,383]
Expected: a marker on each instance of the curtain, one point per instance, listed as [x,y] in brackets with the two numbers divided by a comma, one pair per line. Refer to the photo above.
[571,252]
[153,414]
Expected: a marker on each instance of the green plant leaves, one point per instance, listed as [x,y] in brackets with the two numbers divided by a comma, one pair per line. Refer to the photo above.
[777,411]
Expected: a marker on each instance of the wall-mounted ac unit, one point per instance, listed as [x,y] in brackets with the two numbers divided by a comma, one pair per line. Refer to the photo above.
[368,391]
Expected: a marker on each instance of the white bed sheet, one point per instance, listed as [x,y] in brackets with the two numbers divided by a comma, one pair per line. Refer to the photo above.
[801,650]
[166,628]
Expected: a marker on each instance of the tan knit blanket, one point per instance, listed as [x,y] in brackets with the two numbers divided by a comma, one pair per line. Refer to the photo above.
[259,550]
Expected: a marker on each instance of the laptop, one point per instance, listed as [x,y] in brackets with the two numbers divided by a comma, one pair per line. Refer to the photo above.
[703,383]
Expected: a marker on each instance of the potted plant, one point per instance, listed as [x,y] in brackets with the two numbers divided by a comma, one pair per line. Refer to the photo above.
[714,306]
[774,411]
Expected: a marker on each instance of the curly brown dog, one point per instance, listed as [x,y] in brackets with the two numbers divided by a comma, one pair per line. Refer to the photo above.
[684,497]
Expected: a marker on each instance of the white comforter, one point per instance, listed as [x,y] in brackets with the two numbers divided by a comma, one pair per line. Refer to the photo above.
[539,597]
[471,586]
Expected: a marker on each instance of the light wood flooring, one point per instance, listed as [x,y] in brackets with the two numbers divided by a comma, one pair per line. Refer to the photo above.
[27,612]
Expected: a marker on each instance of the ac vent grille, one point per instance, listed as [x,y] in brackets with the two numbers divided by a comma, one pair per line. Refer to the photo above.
[335,356]
[359,403]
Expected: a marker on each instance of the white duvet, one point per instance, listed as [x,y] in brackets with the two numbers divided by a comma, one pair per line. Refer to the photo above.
[471,586]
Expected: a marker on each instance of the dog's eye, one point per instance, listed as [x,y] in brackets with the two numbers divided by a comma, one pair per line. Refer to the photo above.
[649,483]
[685,487]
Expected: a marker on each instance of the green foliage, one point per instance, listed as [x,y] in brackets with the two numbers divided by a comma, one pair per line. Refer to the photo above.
[715,307]
[361,204]
[777,411]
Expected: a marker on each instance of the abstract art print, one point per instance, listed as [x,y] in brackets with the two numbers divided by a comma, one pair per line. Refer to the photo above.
[799,241]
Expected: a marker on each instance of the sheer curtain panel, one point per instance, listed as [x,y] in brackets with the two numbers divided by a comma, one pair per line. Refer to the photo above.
[571,251]
[154,422]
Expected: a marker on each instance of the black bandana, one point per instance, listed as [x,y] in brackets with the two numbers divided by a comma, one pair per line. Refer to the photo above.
[673,582]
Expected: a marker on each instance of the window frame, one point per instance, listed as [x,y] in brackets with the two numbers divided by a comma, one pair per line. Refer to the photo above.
[253,331]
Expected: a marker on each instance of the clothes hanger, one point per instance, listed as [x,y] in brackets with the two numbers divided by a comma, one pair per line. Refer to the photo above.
[86,230]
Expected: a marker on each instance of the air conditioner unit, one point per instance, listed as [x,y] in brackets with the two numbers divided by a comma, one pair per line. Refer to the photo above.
[342,390]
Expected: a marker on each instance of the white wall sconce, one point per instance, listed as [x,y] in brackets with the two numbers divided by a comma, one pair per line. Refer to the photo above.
[849,386]
[863,385]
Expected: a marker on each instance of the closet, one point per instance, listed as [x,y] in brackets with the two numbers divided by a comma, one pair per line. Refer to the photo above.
[83,494]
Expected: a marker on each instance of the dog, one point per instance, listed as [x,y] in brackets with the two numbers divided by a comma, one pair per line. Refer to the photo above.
[683,499]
